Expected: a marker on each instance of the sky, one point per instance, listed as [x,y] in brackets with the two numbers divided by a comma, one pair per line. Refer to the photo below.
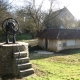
[72,5]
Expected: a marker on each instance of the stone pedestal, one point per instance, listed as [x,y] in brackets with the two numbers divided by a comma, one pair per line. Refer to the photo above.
[7,60]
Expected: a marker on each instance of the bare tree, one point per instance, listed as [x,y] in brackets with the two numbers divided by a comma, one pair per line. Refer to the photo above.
[4,10]
[34,16]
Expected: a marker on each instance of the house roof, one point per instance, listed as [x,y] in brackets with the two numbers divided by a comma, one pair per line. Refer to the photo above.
[64,12]
[60,34]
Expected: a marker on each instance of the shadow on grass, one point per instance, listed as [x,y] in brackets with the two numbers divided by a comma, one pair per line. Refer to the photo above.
[70,51]
[34,55]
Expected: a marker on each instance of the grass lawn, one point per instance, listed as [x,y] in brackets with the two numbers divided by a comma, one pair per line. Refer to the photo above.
[58,66]
[22,37]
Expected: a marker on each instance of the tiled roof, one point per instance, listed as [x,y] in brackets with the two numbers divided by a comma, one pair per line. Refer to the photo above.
[60,34]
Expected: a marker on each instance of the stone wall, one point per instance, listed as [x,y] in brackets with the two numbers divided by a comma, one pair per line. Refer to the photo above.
[7,60]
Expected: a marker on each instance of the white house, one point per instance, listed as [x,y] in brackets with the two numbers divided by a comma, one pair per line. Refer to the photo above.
[59,39]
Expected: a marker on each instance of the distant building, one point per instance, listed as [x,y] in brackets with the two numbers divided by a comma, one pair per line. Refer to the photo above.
[61,17]
[59,39]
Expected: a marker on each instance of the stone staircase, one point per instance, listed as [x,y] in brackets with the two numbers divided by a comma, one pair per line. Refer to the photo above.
[23,64]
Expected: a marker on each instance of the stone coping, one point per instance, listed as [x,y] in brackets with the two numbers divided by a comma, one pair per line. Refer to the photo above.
[13,44]
[44,52]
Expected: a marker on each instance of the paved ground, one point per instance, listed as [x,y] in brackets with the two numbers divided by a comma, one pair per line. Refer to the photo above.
[44,52]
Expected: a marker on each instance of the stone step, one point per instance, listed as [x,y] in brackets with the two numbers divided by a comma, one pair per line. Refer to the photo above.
[22,60]
[20,54]
[24,66]
[27,72]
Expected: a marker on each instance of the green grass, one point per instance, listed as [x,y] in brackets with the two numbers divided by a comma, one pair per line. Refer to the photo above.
[57,66]
[21,37]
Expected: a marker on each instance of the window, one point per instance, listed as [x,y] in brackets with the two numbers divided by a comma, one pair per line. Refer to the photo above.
[64,44]
[70,42]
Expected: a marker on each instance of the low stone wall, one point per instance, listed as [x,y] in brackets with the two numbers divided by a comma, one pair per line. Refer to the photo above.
[7,60]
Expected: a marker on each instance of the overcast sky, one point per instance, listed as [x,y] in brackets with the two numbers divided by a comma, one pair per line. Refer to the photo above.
[72,5]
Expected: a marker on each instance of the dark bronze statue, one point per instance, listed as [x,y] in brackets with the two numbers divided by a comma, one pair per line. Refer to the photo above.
[10,26]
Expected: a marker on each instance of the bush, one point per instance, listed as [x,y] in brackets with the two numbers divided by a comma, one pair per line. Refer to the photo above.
[1,32]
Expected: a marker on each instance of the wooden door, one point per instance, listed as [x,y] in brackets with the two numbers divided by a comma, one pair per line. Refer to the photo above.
[46,44]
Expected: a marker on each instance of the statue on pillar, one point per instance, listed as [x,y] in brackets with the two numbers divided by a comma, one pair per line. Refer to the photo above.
[10,27]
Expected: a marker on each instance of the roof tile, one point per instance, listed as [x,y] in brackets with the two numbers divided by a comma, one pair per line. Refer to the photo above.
[60,34]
